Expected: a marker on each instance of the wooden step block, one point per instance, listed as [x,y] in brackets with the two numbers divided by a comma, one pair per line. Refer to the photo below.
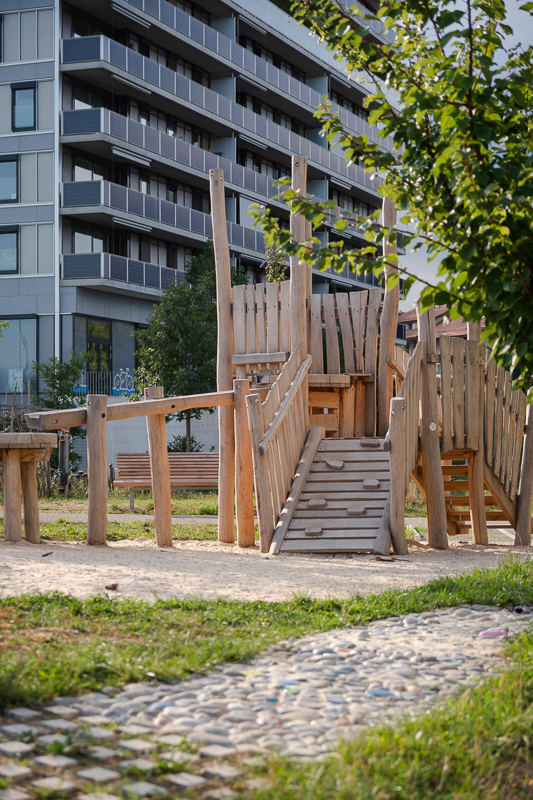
[356,511]
[335,464]
[313,531]
[370,443]
[318,503]
[371,484]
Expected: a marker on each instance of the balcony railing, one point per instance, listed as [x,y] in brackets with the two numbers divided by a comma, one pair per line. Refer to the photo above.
[80,266]
[100,48]
[230,50]
[109,383]
[153,209]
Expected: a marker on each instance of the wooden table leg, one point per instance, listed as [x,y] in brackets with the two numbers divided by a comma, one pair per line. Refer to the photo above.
[31,503]
[12,492]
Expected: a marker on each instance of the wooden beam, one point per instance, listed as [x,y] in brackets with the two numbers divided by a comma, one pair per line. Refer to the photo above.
[244,474]
[97,469]
[429,433]
[28,476]
[497,491]
[72,417]
[298,270]
[160,471]
[241,359]
[388,323]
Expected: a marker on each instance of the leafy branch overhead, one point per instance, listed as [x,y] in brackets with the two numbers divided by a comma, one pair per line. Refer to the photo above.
[461,170]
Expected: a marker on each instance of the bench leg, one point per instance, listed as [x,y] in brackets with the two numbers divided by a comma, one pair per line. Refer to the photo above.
[132,500]
[31,503]
[12,493]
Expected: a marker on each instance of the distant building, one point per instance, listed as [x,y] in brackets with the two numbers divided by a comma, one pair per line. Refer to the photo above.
[444,326]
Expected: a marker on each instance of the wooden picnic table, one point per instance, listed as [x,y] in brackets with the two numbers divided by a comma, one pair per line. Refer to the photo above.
[19,452]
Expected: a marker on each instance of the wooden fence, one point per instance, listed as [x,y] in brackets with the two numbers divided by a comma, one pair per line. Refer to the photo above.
[279,427]
[261,326]
[403,436]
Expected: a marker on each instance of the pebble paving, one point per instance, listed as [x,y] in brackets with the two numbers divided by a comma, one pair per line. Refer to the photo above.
[205,736]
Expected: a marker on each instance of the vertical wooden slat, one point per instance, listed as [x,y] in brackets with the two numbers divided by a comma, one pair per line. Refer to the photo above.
[518,441]
[260,314]
[226,435]
[272,304]
[525,496]
[490,392]
[506,421]
[332,338]
[346,332]
[285,316]
[251,320]
[472,399]
[429,433]
[317,353]
[360,408]
[263,494]
[160,470]
[397,432]
[371,354]
[458,365]
[512,435]
[97,469]
[239,326]
[498,421]
[347,412]
[244,478]
[298,271]
[446,392]
[389,320]
[358,302]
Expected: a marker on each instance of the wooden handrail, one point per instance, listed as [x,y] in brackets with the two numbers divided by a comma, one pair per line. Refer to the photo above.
[284,406]
[72,417]
[259,358]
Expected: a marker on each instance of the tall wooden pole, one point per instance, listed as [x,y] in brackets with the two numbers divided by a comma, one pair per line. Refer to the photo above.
[299,272]
[429,432]
[244,473]
[160,470]
[388,324]
[398,478]
[476,485]
[97,469]
[226,436]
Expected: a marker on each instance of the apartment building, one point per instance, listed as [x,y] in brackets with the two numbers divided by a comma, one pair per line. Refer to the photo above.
[114,111]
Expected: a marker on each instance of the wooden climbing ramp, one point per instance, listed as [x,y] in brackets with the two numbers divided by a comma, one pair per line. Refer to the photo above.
[341,504]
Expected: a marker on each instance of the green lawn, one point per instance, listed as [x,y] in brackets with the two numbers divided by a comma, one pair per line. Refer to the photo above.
[53,644]
[63,531]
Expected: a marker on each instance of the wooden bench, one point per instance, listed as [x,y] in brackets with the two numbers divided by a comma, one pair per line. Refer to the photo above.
[187,471]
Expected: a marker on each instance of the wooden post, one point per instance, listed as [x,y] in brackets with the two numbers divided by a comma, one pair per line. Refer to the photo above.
[244,474]
[398,479]
[226,440]
[523,520]
[31,501]
[298,270]
[429,433]
[263,491]
[97,469]
[476,484]
[12,493]
[160,470]
[388,324]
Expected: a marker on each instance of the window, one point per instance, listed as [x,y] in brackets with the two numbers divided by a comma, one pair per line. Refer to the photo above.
[8,179]
[98,346]
[9,239]
[23,106]
[17,353]
[84,99]
[85,170]
[89,241]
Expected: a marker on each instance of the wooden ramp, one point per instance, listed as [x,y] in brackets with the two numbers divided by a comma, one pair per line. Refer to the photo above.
[341,503]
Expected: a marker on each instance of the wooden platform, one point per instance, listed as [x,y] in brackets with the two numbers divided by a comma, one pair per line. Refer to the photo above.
[342,501]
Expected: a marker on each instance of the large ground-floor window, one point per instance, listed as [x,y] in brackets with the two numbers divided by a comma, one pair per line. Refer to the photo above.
[18,350]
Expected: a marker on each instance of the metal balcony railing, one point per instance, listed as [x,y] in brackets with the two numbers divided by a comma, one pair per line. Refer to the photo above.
[101,120]
[80,266]
[153,209]
[109,383]
[100,48]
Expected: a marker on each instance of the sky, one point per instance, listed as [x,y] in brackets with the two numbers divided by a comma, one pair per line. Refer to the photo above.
[416,263]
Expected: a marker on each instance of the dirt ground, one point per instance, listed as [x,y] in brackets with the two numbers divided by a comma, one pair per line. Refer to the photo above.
[209,569]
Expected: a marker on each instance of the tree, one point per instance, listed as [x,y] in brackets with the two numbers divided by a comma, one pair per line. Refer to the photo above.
[60,382]
[275,268]
[460,171]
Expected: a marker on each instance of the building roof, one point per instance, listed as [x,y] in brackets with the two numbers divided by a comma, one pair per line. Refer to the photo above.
[408,317]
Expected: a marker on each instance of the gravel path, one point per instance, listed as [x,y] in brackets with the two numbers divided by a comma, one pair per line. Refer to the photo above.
[298,698]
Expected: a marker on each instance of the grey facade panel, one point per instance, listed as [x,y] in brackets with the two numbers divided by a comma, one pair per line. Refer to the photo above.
[30,142]
[27,72]
[15,215]
[45,333]
[18,5]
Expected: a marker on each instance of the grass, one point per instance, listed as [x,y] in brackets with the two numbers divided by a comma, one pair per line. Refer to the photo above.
[64,531]
[477,746]
[55,644]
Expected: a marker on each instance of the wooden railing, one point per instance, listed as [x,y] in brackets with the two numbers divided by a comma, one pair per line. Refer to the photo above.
[403,438]
[279,427]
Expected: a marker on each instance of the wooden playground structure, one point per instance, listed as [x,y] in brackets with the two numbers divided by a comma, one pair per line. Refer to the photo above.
[329,421]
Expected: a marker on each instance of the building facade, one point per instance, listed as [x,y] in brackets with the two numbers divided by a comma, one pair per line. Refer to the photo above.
[114,111]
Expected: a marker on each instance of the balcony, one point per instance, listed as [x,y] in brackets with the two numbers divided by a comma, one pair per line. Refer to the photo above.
[100,48]
[106,268]
[113,384]
[110,198]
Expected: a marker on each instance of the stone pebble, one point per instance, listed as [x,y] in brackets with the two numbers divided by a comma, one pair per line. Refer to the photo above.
[298,698]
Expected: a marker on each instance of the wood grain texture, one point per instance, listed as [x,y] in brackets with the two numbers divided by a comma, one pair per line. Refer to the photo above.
[332,339]
[12,495]
[525,496]
[244,477]
[397,433]
[389,321]
[160,471]
[263,490]
[358,301]
[490,400]
[446,392]
[343,310]
[316,335]
[371,353]
[30,498]
[97,469]
[298,271]
[458,365]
